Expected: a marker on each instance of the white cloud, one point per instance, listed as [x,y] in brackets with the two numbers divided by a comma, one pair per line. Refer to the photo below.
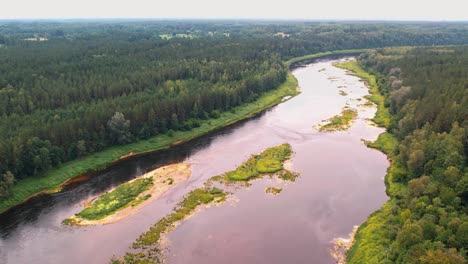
[285,9]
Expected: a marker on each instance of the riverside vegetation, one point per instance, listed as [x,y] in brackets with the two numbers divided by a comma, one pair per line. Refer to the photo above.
[92,92]
[424,92]
[341,122]
[269,162]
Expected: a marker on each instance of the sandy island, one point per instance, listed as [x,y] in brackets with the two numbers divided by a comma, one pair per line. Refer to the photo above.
[164,178]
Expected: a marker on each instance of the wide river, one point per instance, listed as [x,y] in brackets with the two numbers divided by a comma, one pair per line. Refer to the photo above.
[341,183]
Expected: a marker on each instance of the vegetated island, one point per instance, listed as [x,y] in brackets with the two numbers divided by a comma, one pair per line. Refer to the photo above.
[147,248]
[127,198]
[269,162]
[273,190]
[340,122]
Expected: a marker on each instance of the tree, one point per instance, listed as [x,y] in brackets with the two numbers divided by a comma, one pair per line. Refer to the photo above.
[80,148]
[441,257]
[411,234]
[6,183]
[462,234]
[119,129]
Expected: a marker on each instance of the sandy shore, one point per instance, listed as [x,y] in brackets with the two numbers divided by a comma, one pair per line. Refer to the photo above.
[179,172]
[341,246]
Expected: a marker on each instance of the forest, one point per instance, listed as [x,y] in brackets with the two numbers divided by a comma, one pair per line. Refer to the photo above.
[425,220]
[72,88]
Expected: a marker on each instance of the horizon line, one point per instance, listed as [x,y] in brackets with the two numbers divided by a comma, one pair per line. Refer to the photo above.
[232,19]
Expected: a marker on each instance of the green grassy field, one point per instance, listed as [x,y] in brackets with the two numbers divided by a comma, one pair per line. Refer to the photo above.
[50,181]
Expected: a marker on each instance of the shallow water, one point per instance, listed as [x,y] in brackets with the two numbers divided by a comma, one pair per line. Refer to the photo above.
[341,183]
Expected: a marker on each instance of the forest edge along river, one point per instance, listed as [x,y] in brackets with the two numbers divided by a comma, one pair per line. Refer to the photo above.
[338,175]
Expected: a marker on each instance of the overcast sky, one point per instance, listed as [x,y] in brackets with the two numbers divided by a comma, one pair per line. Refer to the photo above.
[266,9]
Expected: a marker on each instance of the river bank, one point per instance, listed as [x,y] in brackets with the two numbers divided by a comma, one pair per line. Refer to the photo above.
[336,173]
[55,179]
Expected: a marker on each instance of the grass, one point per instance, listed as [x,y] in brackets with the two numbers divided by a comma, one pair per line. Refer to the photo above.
[341,122]
[149,240]
[372,235]
[190,202]
[139,200]
[122,196]
[269,161]
[386,142]
[288,175]
[343,93]
[273,190]
[382,116]
[51,181]
[371,238]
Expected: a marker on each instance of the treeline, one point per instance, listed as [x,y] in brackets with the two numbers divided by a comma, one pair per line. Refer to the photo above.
[426,90]
[55,110]
[71,88]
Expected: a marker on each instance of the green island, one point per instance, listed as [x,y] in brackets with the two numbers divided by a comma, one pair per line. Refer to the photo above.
[343,93]
[273,190]
[148,242]
[126,198]
[269,162]
[340,122]
[425,219]
[124,195]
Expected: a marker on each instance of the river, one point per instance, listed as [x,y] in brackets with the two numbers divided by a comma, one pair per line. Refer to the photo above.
[341,183]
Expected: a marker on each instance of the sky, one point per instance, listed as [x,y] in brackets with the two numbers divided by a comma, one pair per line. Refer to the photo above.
[243,9]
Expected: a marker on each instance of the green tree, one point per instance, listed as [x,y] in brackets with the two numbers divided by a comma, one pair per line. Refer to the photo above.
[119,129]
[6,183]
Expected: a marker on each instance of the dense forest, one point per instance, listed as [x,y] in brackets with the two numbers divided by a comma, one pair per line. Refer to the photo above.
[71,88]
[425,221]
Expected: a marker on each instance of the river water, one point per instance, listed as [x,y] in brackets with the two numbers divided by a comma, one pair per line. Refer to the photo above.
[341,183]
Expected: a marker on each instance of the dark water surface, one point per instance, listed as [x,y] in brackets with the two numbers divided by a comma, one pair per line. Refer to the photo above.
[341,183]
